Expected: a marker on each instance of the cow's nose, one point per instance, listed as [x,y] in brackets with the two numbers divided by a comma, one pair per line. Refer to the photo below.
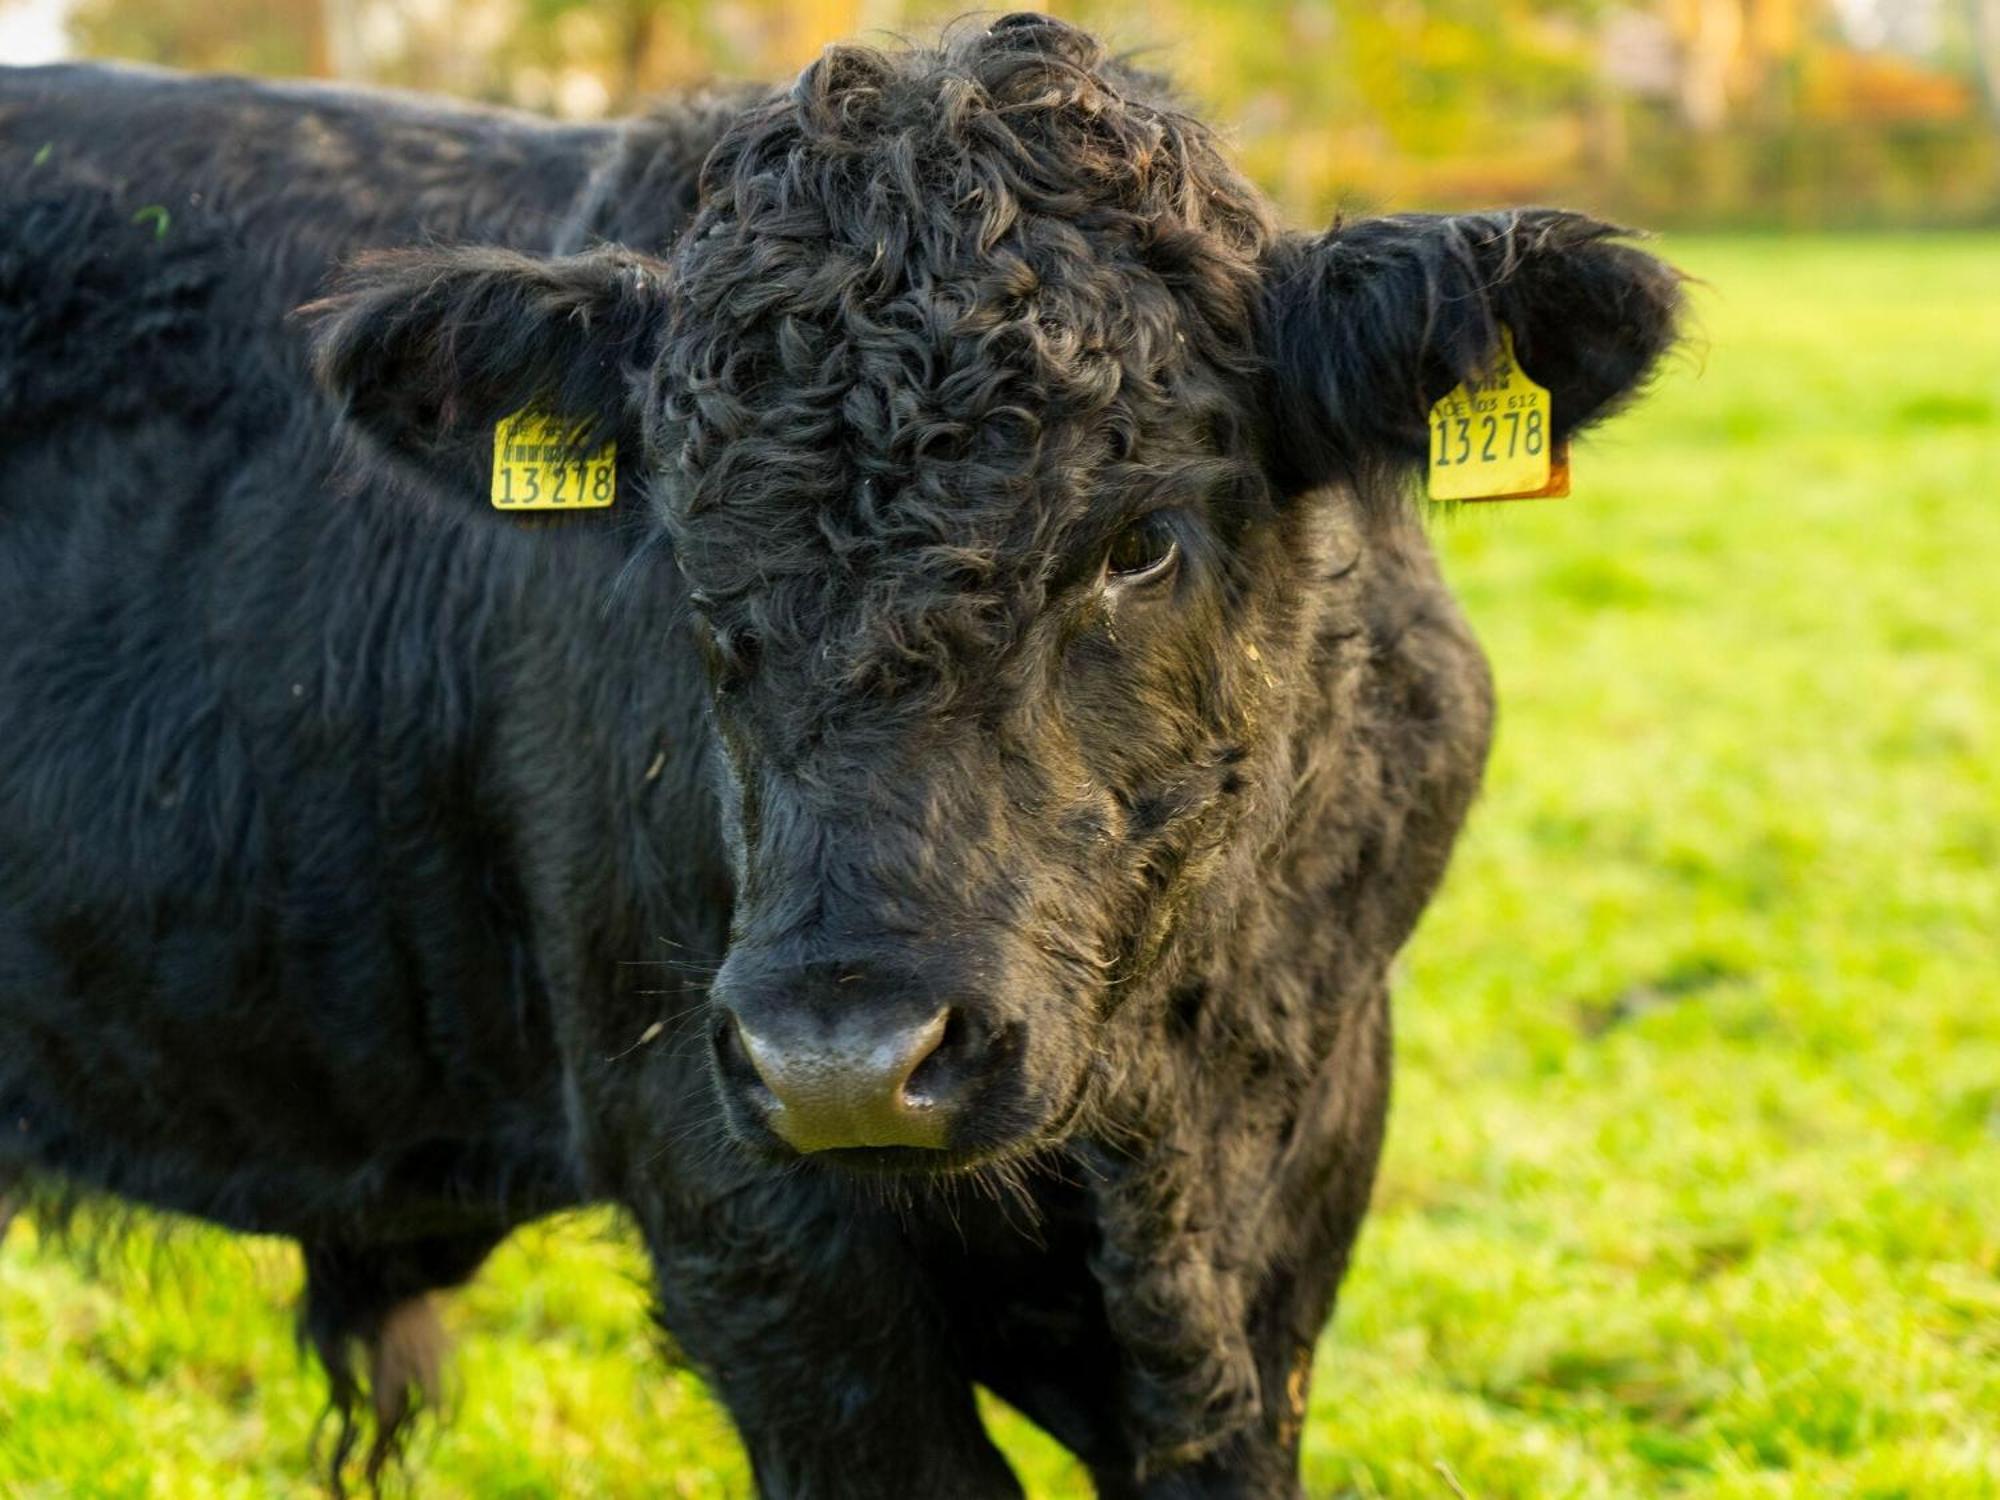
[857,1080]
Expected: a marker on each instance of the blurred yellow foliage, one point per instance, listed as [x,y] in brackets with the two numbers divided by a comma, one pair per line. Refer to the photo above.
[1677,111]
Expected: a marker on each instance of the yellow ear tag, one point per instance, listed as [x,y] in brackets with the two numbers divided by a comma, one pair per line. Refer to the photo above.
[535,466]
[1491,437]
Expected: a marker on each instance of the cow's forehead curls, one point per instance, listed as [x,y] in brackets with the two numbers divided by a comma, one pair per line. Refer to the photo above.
[1007,161]
[937,302]
[1038,109]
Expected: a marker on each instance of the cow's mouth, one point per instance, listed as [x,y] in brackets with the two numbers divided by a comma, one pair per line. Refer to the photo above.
[892,1161]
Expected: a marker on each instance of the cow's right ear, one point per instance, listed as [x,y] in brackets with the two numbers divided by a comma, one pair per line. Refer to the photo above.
[427,350]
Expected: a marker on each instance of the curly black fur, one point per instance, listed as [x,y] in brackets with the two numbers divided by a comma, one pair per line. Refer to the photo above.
[377,873]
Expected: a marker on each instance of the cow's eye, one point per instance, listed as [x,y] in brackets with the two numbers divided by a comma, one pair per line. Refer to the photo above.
[732,655]
[1144,550]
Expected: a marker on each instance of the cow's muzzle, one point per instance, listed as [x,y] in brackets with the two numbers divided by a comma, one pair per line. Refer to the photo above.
[833,1057]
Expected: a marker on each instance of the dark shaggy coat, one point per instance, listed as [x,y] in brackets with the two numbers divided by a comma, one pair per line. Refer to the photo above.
[1011,598]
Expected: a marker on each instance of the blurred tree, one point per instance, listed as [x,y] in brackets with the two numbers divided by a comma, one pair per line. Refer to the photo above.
[240,36]
[1664,109]
[1985,30]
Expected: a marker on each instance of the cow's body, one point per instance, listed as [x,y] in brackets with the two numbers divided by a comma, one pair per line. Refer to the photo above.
[360,873]
[277,947]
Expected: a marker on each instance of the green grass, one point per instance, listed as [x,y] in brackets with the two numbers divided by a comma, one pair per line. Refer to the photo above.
[1693,1185]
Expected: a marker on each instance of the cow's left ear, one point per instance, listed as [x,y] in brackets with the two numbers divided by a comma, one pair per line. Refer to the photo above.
[427,350]
[1369,324]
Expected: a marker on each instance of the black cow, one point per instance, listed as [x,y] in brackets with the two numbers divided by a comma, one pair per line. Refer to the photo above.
[932,851]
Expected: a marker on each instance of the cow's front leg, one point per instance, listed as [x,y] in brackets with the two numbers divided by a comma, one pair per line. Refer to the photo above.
[1220,1273]
[1259,1461]
[801,1303]
[1075,1398]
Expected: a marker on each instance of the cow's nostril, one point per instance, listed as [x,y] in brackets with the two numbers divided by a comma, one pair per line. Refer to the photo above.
[904,1056]
[937,1070]
[732,1056]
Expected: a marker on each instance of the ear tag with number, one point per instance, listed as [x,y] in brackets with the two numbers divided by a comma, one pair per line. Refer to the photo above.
[536,467]
[1491,437]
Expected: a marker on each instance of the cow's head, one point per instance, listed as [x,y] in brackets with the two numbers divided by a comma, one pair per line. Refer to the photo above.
[995,434]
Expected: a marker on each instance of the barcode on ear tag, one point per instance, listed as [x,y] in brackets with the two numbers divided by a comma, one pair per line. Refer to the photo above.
[1492,438]
[536,465]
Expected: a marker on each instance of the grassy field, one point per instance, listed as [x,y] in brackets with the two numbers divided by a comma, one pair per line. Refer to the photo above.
[1693,1186]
